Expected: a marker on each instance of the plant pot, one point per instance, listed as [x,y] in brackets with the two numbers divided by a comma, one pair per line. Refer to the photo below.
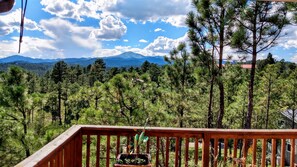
[133,160]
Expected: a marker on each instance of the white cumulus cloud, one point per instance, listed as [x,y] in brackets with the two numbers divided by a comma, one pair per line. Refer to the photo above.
[159,29]
[288,37]
[171,11]
[176,20]
[111,28]
[67,36]
[31,46]
[163,45]
[10,22]
[75,10]
[143,41]
[62,9]
[151,10]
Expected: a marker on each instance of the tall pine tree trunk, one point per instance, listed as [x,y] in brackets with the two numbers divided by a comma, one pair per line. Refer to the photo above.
[253,71]
[209,115]
[220,81]
[251,93]
[221,88]
[268,103]
[96,102]
[59,104]
[23,141]
[293,118]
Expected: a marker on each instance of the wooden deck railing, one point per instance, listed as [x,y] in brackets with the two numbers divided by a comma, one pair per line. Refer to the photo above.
[98,146]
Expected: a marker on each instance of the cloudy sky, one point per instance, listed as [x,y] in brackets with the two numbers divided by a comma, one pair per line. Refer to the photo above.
[97,28]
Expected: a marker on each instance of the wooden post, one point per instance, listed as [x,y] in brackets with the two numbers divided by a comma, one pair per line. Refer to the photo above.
[118,144]
[215,156]
[292,155]
[205,151]
[244,150]
[254,160]
[234,151]
[167,152]
[225,150]
[98,151]
[196,151]
[273,154]
[283,151]
[107,150]
[263,160]
[157,151]
[176,151]
[88,151]
[187,152]
[79,150]
[148,146]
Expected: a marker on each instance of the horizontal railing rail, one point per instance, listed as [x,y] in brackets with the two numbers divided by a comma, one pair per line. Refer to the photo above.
[89,145]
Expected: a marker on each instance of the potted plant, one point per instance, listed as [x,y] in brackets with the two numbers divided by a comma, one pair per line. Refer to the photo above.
[135,159]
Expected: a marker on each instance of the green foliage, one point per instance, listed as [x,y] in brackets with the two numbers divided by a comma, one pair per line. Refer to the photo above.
[97,71]
[258,27]
[184,93]
[262,63]
[177,98]
[59,72]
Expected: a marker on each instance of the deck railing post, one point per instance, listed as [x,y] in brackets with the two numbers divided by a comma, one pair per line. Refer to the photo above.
[205,151]
[79,149]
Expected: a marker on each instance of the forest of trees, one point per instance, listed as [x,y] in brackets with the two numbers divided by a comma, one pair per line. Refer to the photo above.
[192,90]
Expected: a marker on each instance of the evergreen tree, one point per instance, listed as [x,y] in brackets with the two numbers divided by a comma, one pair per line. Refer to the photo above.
[258,27]
[145,66]
[112,72]
[262,63]
[201,37]
[58,75]
[97,71]
[180,77]
[290,96]
[214,18]
[269,91]
[16,105]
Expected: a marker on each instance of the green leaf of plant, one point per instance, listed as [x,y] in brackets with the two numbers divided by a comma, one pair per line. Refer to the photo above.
[141,137]
[145,139]
[136,137]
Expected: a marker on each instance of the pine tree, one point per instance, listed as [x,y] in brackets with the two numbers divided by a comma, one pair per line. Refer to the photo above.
[201,37]
[180,77]
[97,71]
[214,18]
[15,101]
[258,27]
[58,75]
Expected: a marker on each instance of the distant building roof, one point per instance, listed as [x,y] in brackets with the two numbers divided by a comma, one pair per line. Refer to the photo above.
[246,66]
[289,114]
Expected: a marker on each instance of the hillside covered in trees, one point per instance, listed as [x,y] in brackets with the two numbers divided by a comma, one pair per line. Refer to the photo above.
[36,109]
[192,90]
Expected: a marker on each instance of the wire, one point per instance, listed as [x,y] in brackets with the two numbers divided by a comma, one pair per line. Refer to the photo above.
[23,13]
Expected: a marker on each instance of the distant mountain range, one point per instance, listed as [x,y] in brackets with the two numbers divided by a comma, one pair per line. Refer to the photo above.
[126,59]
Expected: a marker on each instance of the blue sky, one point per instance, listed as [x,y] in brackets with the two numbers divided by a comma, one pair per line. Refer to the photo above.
[97,28]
